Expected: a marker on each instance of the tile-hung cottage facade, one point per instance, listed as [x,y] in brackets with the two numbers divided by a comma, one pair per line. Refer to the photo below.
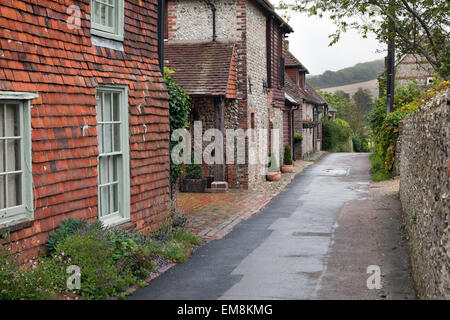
[248,92]
[83,117]
[307,119]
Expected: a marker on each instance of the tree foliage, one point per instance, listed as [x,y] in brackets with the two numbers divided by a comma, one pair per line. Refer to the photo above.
[337,135]
[385,127]
[416,26]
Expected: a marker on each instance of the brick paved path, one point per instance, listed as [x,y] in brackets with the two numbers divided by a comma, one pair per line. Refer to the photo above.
[212,215]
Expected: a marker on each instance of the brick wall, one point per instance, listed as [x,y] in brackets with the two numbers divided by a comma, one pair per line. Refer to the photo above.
[424,193]
[39,53]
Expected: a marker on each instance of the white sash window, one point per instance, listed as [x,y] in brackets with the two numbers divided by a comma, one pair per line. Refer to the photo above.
[16,195]
[113,161]
[107,18]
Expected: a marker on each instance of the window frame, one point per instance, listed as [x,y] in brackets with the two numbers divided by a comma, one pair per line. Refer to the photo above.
[26,209]
[124,168]
[118,28]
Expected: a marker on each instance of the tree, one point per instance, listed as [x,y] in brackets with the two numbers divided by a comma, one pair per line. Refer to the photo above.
[416,26]
[363,101]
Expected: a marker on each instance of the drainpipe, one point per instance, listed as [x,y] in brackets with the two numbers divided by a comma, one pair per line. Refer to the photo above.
[213,10]
[161,22]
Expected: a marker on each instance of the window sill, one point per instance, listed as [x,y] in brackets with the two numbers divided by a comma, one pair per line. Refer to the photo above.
[15,224]
[114,220]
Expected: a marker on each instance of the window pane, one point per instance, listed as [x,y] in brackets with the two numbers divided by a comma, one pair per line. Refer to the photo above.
[115,197]
[103,14]
[99,108]
[2,156]
[2,125]
[12,120]
[13,155]
[107,107]
[104,201]
[107,143]
[104,170]
[117,144]
[2,193]
[96,13]
[14,190]
[100,138]
[116,106]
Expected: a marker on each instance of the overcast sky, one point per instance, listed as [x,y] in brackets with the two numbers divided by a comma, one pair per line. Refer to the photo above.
[309,43]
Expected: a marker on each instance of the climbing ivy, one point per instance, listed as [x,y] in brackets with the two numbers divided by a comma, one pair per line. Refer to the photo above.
[179,107]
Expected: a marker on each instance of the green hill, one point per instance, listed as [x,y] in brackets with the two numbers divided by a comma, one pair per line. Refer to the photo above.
[358,73]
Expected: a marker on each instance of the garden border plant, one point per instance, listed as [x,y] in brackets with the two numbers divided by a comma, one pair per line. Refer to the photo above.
[111,260]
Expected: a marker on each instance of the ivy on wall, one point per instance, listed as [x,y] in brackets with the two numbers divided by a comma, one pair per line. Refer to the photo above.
[180,108]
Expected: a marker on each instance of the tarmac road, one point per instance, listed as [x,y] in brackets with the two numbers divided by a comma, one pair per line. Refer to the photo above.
[313,241]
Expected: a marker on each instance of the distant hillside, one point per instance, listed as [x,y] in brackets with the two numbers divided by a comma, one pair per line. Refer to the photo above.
[360,72]
[371,85]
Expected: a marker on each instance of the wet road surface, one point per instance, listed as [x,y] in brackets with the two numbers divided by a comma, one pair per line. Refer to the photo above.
[313,241]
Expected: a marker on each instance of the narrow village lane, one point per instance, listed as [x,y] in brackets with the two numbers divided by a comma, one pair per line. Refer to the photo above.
[313,241]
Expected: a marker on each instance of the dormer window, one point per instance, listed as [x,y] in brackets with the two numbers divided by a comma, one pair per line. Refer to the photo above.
[107,19]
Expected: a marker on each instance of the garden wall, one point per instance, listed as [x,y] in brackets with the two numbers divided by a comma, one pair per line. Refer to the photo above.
[424,191]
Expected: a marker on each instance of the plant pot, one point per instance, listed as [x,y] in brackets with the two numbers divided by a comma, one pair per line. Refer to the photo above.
[287,168]
[194,185]
[273,176]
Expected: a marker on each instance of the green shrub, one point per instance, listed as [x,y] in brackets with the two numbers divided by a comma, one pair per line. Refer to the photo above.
[357,143]
[38,281]
[194,170]
[378,169]
[69,227]
[298,137]
[101,277]
[135,258]
[110,261]
[287,155]
[337,134]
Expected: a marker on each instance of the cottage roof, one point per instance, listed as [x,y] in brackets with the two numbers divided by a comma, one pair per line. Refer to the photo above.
[267,5]
[291,61]
[292,90]
[312,95]
[203,68]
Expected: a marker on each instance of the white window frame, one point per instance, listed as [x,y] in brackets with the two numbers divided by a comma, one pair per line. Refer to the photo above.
[117,30]
[124,167]
[9,216]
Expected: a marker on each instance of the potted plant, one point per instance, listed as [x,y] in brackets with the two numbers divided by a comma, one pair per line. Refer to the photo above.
[273,171]
[193,181]
[287,167]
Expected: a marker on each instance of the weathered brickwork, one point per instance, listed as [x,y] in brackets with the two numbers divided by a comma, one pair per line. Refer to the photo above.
[424,192]
[39,53]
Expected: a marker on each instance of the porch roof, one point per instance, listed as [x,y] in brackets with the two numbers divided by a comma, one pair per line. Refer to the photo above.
[203,68]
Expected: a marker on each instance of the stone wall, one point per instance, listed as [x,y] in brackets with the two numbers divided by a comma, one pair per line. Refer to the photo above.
[307,133]
[192,20]
[424,192]
[257,73]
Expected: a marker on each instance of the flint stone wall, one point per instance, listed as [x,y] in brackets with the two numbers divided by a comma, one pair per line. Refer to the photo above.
[424,192]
